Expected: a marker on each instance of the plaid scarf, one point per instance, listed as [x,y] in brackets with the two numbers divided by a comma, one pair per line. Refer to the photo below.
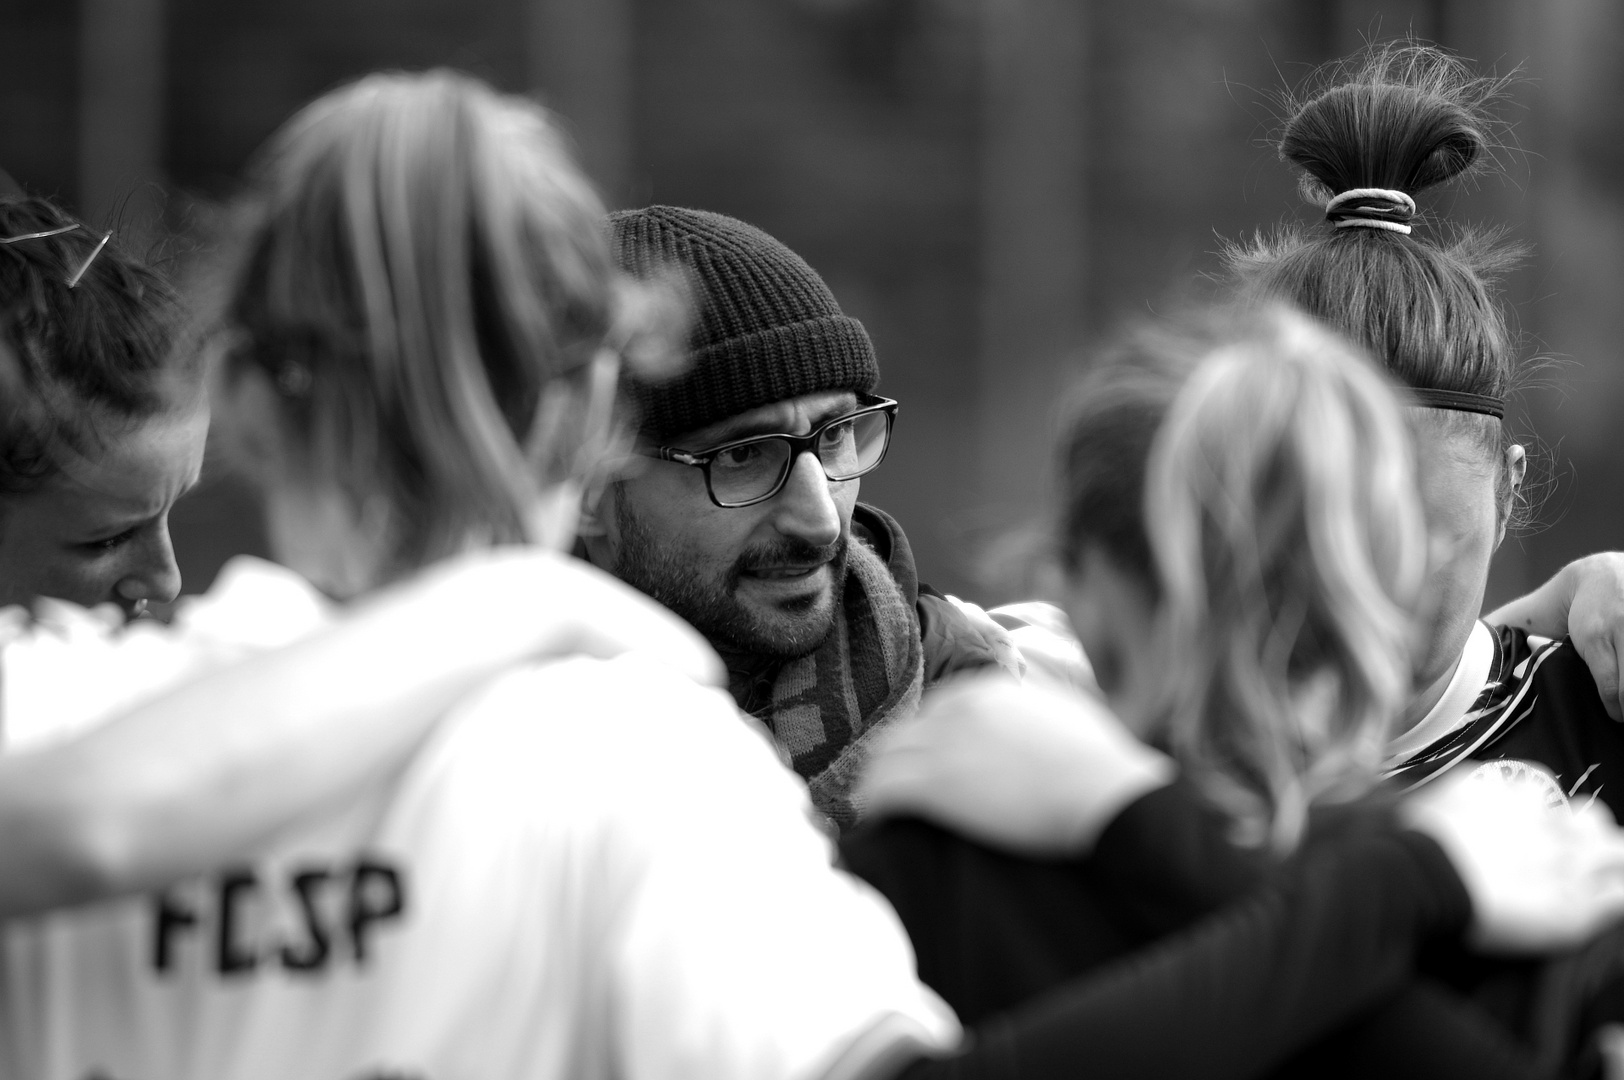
[826,706]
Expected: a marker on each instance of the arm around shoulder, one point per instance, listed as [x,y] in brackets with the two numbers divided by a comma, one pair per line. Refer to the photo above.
[1245,989]
[1585,601]
[199,774]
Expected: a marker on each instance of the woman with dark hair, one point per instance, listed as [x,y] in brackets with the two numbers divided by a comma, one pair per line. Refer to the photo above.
[105,419]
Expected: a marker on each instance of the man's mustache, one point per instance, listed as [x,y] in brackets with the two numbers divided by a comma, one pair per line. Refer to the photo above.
[788,550]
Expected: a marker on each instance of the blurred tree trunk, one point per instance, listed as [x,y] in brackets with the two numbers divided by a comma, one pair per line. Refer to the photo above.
[1033,266]
[579,57]
[1355,22]
[121,118]
[1575,204]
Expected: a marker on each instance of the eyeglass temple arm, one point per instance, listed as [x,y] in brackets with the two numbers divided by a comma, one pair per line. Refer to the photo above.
[682,457]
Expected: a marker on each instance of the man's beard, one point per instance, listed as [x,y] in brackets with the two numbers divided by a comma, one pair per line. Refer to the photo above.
[713,608]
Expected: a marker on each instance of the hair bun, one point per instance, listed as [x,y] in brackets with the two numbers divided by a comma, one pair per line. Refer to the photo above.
[1400,117]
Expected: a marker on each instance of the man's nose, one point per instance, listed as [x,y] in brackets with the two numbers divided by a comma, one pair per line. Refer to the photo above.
[805,508]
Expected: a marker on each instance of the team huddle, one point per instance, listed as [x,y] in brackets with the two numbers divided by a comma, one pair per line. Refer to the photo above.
[588,725]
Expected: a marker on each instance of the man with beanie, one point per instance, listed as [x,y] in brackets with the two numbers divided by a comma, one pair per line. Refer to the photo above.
[742,516]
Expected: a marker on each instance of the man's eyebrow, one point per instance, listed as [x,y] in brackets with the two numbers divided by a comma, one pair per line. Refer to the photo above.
[735,428]
[727,430]
[838,407]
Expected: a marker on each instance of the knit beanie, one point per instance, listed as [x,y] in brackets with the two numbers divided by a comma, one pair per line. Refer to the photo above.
[766,327]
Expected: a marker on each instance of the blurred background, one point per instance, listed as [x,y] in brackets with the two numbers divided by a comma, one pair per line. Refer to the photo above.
[989,185]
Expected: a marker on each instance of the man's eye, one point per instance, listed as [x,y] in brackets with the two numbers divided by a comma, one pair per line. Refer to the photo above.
[738,457]
[837,434]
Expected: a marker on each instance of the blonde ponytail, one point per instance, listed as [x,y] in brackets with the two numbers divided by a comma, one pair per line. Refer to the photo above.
[1287,538]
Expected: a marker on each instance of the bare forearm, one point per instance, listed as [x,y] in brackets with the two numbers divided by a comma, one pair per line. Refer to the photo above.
[1584,601]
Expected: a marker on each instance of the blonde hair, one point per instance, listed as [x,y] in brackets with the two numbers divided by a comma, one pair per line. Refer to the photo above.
[1282,511]
[1279,522]
[424,275]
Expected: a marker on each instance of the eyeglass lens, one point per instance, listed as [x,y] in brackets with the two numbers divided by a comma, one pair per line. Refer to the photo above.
[753,469]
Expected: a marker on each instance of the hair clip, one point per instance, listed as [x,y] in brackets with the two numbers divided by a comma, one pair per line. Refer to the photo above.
[74,280]
[40,235]
[78,274]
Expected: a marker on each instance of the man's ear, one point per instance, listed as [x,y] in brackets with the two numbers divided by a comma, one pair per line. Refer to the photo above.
[597,507]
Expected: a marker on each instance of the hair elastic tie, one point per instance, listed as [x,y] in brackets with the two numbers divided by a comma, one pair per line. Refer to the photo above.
[1371,208]
[1459,401]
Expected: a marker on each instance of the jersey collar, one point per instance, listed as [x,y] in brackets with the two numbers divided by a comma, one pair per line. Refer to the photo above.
[1453,709]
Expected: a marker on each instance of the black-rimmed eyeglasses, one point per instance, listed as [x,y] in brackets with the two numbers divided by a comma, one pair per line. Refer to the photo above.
[747,471]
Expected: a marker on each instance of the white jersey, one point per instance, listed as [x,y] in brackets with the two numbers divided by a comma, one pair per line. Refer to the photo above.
[593,869]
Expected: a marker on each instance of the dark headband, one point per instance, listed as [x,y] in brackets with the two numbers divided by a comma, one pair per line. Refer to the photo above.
[1459,401]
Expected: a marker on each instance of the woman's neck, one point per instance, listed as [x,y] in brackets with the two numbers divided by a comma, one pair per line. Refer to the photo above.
[1423,702]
